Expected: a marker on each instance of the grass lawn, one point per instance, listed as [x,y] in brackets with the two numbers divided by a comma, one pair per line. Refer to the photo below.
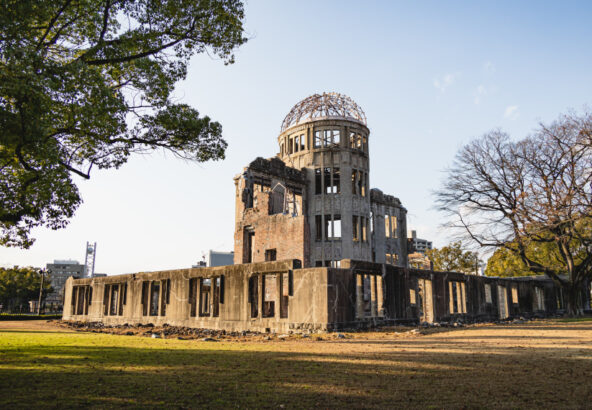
[538,364]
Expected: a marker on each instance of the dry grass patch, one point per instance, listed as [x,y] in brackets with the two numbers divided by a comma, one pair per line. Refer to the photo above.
[543,363]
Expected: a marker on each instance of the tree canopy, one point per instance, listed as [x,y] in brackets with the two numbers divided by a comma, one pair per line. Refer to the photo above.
[527,195]
[508,263]
[84,84]
[454,258]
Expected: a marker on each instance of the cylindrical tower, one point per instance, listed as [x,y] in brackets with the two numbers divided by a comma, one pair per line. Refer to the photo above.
[327,136]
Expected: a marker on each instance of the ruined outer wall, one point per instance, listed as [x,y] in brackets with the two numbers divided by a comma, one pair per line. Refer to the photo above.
[307,304]
[401,285]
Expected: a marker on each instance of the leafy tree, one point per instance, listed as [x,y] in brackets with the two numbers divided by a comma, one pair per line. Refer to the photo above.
[86,83]
[453,258]
[507,263]
[20,285]
[528,194]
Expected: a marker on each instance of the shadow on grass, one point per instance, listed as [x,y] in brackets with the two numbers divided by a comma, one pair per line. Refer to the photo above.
[322,374]
[62,332]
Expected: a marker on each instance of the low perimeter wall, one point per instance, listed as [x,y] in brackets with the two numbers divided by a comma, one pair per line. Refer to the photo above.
[280,296]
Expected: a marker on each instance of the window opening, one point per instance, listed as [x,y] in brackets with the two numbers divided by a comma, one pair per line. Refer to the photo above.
[318,227]
[114,308]
[318,182]
[355,228]
[254,295]
[318,142]
[361,187]
[154,296]
[488,293]
[269,295]
[332,228]
[285,292]
[204,296]
[327,180]
[364,229]
[145,297]
[333,187]
[192,297]
[270,255]
[412,297]
[163,297]
[394,226]
[216,297]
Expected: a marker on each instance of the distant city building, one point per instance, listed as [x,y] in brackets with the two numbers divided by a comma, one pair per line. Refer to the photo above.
[215,258]
[419,245]
[59,271]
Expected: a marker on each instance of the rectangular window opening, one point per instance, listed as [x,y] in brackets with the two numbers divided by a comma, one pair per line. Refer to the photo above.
[269,295]
[145,297]
[192,297]
[318,182]
[270,255]
[318,141]
[319,227]
[364,229]
[216,297]
[154,297]
[205,286]
[254,295]
[285,295]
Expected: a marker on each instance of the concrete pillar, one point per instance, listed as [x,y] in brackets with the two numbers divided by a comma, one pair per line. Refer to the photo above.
[379,296]
[373,299]
[359,297]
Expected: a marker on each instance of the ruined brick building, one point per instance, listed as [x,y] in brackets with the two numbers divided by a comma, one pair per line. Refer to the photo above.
[313,201]
[315,248]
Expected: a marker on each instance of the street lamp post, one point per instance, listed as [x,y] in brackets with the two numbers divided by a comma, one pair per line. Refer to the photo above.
[40,292]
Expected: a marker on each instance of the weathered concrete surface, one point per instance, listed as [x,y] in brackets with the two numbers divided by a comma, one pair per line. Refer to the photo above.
[360,294]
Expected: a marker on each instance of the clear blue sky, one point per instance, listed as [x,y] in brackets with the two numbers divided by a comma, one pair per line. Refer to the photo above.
[429,75]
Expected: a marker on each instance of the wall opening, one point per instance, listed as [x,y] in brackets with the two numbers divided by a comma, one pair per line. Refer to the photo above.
[254,295]
[205,286]
[270,255]
[285,295]
[269,295]
[154,297]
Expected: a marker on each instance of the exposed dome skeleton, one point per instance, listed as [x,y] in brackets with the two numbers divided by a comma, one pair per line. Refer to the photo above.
[326,105]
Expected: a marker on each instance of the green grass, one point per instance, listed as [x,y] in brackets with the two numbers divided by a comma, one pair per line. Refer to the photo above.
[499,366]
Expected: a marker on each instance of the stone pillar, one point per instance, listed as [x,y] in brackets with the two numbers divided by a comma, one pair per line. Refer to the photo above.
[373,298]
[359,297]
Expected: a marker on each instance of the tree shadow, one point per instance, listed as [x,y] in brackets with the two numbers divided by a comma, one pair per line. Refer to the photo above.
[318,374]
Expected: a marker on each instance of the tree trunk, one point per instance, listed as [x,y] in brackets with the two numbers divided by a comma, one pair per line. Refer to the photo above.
[574,302]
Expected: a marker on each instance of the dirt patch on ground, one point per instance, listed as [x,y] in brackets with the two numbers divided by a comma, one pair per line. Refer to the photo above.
[40,325]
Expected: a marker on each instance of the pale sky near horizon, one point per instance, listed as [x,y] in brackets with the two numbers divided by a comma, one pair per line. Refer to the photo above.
[430,76]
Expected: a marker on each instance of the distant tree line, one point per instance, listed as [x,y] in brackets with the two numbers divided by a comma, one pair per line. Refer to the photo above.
[19,285]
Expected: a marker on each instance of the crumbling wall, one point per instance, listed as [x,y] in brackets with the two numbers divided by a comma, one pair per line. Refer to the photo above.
[270,219]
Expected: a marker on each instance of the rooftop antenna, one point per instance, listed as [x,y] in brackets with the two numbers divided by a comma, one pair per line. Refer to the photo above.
[89,264]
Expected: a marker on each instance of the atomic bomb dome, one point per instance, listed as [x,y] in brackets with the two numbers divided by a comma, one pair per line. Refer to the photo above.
[324,106]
